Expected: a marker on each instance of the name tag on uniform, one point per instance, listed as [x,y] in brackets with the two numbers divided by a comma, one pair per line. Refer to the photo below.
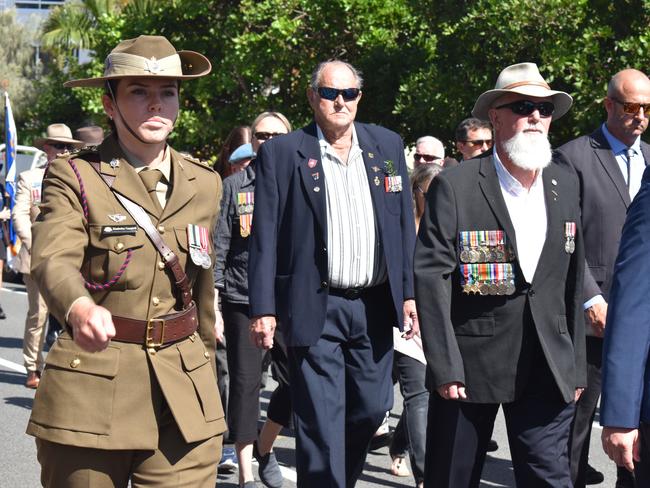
[119,230]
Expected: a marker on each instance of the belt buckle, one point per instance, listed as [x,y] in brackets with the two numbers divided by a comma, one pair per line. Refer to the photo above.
[149,341]
[352,293]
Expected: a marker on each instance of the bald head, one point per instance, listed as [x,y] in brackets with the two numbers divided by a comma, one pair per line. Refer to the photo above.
[628,95]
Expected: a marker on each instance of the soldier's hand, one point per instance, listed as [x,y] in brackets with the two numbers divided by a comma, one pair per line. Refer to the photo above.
[452,391]
[596,316]
[92,325]
[622,446]
[218,325]
[262,330]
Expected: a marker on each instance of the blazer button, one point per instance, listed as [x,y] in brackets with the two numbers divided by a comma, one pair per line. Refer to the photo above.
[323,284]
[161,265]
[155,301]
[161,229]
[206,354]
[75,363]
[119,246]
[531,293]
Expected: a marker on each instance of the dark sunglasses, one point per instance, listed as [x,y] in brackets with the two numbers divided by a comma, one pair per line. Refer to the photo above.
[633,108]
[427,157]
[265,136]
[479,142]
[60,146]
[331,94]
[526,107]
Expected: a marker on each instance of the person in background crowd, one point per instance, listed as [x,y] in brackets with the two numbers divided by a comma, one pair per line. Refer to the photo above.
[330,261]
[26,208]
[498,268]
[473,137]
[237,137]
[90,135]
[232,288]
[428,150]
[609,163]
[128,395]
[410,365]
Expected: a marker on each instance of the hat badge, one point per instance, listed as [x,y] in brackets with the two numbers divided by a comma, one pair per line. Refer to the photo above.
[152,65]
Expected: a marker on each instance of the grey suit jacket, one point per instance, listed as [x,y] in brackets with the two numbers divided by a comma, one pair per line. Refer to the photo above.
[604,200]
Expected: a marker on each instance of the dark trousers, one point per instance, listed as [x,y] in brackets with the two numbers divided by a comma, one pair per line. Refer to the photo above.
[341,389]
[411,376]
[538,426]
[642,468]
[245,371]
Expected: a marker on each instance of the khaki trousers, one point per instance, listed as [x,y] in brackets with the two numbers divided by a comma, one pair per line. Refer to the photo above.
[34,327]
[175,464]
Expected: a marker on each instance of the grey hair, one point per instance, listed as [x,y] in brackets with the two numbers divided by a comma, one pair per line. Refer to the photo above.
[317,73]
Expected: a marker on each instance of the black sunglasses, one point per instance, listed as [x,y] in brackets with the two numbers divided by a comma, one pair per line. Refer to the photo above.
[265,136]
[633,108]
[60,146]
[526,107]
[331,94]
[427,157]
[479,142]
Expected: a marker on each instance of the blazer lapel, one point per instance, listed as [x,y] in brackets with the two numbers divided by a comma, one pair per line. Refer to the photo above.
[492,192]
[553,199]
[375,170]
[606,157]
[645,150]
[311,172]
[183,190]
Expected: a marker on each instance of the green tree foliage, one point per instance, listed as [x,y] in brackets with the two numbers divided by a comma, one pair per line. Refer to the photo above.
[424,62]
[16,61]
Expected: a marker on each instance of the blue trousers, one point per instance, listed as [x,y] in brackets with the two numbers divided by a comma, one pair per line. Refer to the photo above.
[341,389]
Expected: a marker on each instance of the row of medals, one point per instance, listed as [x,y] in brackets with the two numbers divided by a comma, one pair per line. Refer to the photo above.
[482,254]
[495,287]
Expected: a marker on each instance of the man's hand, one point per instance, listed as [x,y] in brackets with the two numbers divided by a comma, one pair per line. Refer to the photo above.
[596,315]
[622,446]
[452,391]
[262,330]
[578,394]
[218,324]
[92,325]
[411,323]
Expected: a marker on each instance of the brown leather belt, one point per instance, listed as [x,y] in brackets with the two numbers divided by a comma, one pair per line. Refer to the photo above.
[157,332]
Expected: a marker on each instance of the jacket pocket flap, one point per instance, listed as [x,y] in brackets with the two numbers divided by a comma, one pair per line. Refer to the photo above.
[67,355]
[483,326]
[192,355]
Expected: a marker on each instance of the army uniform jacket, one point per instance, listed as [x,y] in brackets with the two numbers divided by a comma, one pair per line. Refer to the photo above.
[114,399]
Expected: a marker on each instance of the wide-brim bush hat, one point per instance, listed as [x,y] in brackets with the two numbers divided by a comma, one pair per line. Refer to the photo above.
[147,57]
[57,133]
[525,79]
[91,135]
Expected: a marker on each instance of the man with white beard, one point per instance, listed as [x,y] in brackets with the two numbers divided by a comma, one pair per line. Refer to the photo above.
[498,269]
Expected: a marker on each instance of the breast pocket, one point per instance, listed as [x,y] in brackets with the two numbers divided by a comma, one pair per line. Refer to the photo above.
[109,259]
[77,389]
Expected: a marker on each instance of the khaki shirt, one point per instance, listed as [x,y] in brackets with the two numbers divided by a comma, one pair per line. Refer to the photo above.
[113,399]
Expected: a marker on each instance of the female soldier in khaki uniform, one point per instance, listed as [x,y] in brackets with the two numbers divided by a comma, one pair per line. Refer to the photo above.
[129,390]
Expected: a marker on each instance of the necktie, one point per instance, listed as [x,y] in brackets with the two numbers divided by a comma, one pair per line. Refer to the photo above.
[150,178]
[629,154]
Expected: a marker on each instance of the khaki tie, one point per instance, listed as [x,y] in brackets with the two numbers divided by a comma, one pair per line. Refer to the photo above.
[150,178]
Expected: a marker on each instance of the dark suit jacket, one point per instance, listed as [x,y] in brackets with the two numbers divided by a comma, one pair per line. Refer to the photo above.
[604,200]
[287,271]
[478,340]
[626,369]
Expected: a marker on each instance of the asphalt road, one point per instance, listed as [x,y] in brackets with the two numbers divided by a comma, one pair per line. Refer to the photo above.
[19,467]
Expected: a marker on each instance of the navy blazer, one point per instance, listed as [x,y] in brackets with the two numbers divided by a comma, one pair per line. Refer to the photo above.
[287,271]
[626,369]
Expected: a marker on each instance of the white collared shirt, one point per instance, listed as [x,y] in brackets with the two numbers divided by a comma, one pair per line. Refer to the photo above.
[354,258]
[527,211]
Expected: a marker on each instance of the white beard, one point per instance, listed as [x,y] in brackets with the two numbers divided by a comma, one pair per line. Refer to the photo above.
[529,150]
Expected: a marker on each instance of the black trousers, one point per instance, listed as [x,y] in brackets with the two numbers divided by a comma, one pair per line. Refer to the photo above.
[642,468]
[538,425]
[245,372]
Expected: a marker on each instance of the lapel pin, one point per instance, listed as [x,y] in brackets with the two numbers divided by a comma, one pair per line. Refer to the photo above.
[377,181]
[312,163]
[117,218]
[375,169]
[317,189]
[371,155]
[554,182]
[115,163]
[315,176]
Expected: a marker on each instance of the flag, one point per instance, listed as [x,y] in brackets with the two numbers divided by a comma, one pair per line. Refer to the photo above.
[11,144]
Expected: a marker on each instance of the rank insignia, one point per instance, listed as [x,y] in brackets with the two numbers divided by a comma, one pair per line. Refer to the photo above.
[117,218]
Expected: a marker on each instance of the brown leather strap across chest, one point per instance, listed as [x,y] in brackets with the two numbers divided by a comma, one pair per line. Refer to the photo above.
[157,332]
